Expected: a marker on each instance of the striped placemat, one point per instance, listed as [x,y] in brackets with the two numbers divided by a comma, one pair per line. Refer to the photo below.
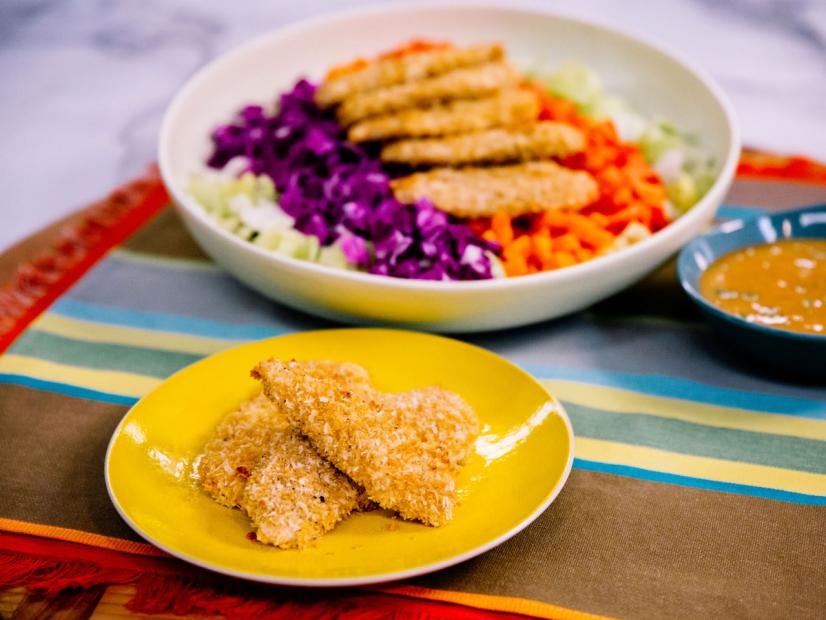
[699,481]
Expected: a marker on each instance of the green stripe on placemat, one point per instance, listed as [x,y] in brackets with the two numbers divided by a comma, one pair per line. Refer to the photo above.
[678,436]
[101,355]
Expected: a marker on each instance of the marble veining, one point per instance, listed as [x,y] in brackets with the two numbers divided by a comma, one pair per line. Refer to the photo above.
[84,83]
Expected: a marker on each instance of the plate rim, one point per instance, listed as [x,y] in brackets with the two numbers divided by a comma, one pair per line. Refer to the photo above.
[341,582]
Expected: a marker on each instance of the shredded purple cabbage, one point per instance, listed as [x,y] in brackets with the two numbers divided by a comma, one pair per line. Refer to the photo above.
[335,190]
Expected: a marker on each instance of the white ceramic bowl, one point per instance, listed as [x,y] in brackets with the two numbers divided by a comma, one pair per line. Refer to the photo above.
[652,80]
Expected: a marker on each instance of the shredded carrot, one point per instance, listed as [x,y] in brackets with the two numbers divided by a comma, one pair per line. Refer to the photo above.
[350,67]
[543,249]
[502,228]
[411,47]
[564,259]
[629,191]
[414,46]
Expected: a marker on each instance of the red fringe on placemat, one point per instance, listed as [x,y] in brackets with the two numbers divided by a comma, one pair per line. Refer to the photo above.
[168,587]
[38,283]
[760,165]
[182,596]
[51,575]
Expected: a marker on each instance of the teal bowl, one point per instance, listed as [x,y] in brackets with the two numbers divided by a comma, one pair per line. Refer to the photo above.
[793,352]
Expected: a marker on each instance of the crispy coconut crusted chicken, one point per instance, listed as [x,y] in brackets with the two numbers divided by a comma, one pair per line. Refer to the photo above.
[391,71]
[457,107]
[510,107]
[523,143]
[482,192]
[236,446]
[405,449]
[294,496]
[466,83]
[257,460]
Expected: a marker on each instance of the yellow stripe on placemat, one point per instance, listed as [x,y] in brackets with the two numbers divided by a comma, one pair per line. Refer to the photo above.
[90,331]
[706,468]
[616,400]
[110,381]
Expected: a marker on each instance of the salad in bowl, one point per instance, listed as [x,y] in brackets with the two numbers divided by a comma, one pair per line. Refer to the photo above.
[442,162]
[429,179]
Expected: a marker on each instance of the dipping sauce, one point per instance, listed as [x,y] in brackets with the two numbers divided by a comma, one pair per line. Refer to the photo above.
[781,284]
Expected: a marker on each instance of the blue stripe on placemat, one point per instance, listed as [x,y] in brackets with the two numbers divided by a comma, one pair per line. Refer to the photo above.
[736,212]
[67,389]
[699,483]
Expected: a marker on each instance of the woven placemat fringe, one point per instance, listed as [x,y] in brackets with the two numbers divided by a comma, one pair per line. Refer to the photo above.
[188,595]
[104,224]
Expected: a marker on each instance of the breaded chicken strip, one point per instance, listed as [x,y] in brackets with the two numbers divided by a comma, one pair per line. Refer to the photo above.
[410,67]
[256,460]
[456,425]
[473,82]
[404,449]
[512,106]
[523,143]
[294,496]
[235,448]
[483,192]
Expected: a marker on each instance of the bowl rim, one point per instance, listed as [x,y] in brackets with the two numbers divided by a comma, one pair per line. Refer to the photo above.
[184,202]
[730,228]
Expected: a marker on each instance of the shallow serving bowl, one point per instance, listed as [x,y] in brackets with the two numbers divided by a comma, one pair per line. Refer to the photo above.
[652,80]
[797,352]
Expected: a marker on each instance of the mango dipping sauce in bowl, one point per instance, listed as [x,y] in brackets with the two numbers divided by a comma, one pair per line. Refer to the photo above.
[780,284]
[761,282]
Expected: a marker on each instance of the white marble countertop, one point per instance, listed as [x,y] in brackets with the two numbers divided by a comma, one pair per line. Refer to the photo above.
[83,84]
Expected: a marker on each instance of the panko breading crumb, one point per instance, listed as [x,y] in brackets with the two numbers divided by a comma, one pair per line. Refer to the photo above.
[541,140]
[441,421]
[511,106]
[414,66]
[343,372]
[485,191]
[236,446]
[468,83]
[257,461]
[404,449]
[294,495]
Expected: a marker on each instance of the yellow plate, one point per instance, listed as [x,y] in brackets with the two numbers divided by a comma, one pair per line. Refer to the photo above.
[522,461]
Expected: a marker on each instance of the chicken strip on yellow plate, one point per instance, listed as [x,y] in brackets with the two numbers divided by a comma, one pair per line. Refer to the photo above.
[470,83]
[523,143]
[256,460]
[410,67]
[294,496]
[512,106]
[404,449]
[236,446]
[482,192]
